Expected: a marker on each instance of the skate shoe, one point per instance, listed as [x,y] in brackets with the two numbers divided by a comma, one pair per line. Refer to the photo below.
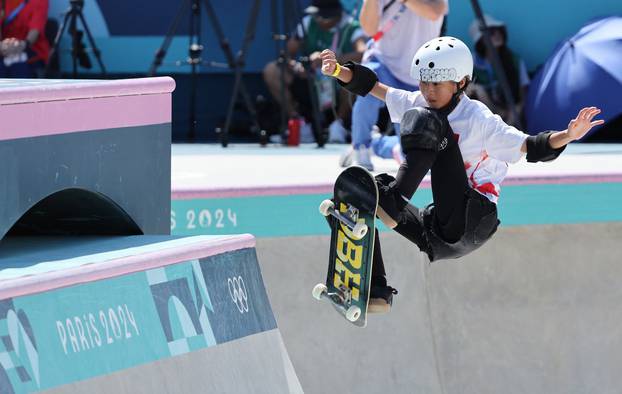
[380,299]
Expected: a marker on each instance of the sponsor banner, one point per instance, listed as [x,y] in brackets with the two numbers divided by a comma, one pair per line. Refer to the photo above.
[96,328]
[297,214]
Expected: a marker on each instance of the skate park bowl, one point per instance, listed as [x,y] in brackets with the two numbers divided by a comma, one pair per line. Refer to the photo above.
[95,294]
[535,310]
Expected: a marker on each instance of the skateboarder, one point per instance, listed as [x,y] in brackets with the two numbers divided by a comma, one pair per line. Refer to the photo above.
[466,147]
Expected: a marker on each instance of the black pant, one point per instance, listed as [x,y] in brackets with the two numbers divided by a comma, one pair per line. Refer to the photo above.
[450,191]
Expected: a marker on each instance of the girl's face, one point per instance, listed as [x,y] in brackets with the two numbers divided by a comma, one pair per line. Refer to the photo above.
[438,94]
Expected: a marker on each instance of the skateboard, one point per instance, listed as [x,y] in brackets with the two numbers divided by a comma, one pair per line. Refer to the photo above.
[351,214]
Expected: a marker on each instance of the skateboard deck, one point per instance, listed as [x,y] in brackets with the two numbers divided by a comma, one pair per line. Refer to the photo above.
[351,214]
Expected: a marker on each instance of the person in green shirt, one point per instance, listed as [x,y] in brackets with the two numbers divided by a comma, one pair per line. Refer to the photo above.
[325,26]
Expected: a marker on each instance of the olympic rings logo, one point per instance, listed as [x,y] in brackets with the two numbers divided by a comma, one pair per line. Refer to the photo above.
[238,293]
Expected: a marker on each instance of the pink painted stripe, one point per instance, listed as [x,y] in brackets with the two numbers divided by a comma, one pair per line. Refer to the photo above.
[57,90]
[189,194]
[562,179]
[61,117]
[122,266]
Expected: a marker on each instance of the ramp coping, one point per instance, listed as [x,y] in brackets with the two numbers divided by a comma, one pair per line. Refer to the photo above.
[195,247]
[33,91]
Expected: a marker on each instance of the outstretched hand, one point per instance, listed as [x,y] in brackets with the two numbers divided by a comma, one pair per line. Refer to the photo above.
[579,126]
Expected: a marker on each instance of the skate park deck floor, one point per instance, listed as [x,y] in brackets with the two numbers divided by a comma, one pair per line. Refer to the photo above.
[250,168]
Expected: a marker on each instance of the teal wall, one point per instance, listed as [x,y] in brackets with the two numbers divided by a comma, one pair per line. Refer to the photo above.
[297,215]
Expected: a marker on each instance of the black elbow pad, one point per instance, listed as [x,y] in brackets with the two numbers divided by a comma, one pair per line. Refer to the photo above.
[363,79]
[538,148]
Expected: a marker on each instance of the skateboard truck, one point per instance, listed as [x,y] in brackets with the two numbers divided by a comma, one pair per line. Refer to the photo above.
[349,218]
[341,300]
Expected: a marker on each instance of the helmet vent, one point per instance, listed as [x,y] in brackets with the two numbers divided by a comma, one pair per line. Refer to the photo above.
[417,62]
[438,48]
[450,45]
[427,45]
[431,65]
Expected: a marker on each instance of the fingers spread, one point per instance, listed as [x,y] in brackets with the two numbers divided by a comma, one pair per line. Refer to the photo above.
[593,113]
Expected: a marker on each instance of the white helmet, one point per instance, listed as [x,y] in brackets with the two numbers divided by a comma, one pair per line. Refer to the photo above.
[442,59]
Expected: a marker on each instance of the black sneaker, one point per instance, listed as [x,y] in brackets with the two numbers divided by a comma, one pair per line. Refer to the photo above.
[381,299]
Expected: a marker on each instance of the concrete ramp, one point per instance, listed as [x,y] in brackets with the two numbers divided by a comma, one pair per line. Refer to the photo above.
[535,310]
[138,314]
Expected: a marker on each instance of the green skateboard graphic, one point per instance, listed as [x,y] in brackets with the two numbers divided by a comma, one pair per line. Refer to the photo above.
[352,214]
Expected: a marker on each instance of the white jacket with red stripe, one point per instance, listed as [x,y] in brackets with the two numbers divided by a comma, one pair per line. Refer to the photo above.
[486,142]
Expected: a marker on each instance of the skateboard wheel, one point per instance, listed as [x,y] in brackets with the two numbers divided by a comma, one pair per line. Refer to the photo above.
[318,290]
[326,206]
[359,230]
[353,313]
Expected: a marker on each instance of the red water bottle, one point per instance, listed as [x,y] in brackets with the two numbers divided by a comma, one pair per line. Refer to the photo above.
[293,136]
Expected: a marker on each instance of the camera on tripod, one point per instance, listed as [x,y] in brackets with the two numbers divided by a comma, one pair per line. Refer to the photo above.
[79,53]
[195,51]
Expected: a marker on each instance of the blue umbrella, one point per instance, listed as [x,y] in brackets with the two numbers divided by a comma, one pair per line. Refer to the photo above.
[584,71]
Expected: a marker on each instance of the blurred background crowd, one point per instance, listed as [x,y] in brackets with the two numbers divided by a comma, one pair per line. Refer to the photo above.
[248,70]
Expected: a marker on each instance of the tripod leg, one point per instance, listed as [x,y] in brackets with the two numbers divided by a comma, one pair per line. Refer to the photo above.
[75,44]
[281,56]
[59,34]
[96,51]
[235,64]
[248,38]
[161,52]
[194,40]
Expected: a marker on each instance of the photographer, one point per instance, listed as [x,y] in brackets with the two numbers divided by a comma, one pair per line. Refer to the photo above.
[326,26]
[24,49]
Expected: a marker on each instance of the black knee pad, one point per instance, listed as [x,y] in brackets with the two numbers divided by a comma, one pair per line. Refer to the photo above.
[423,128]
[481,224]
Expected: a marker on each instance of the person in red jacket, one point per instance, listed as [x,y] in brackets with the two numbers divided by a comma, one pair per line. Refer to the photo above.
[23,47]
